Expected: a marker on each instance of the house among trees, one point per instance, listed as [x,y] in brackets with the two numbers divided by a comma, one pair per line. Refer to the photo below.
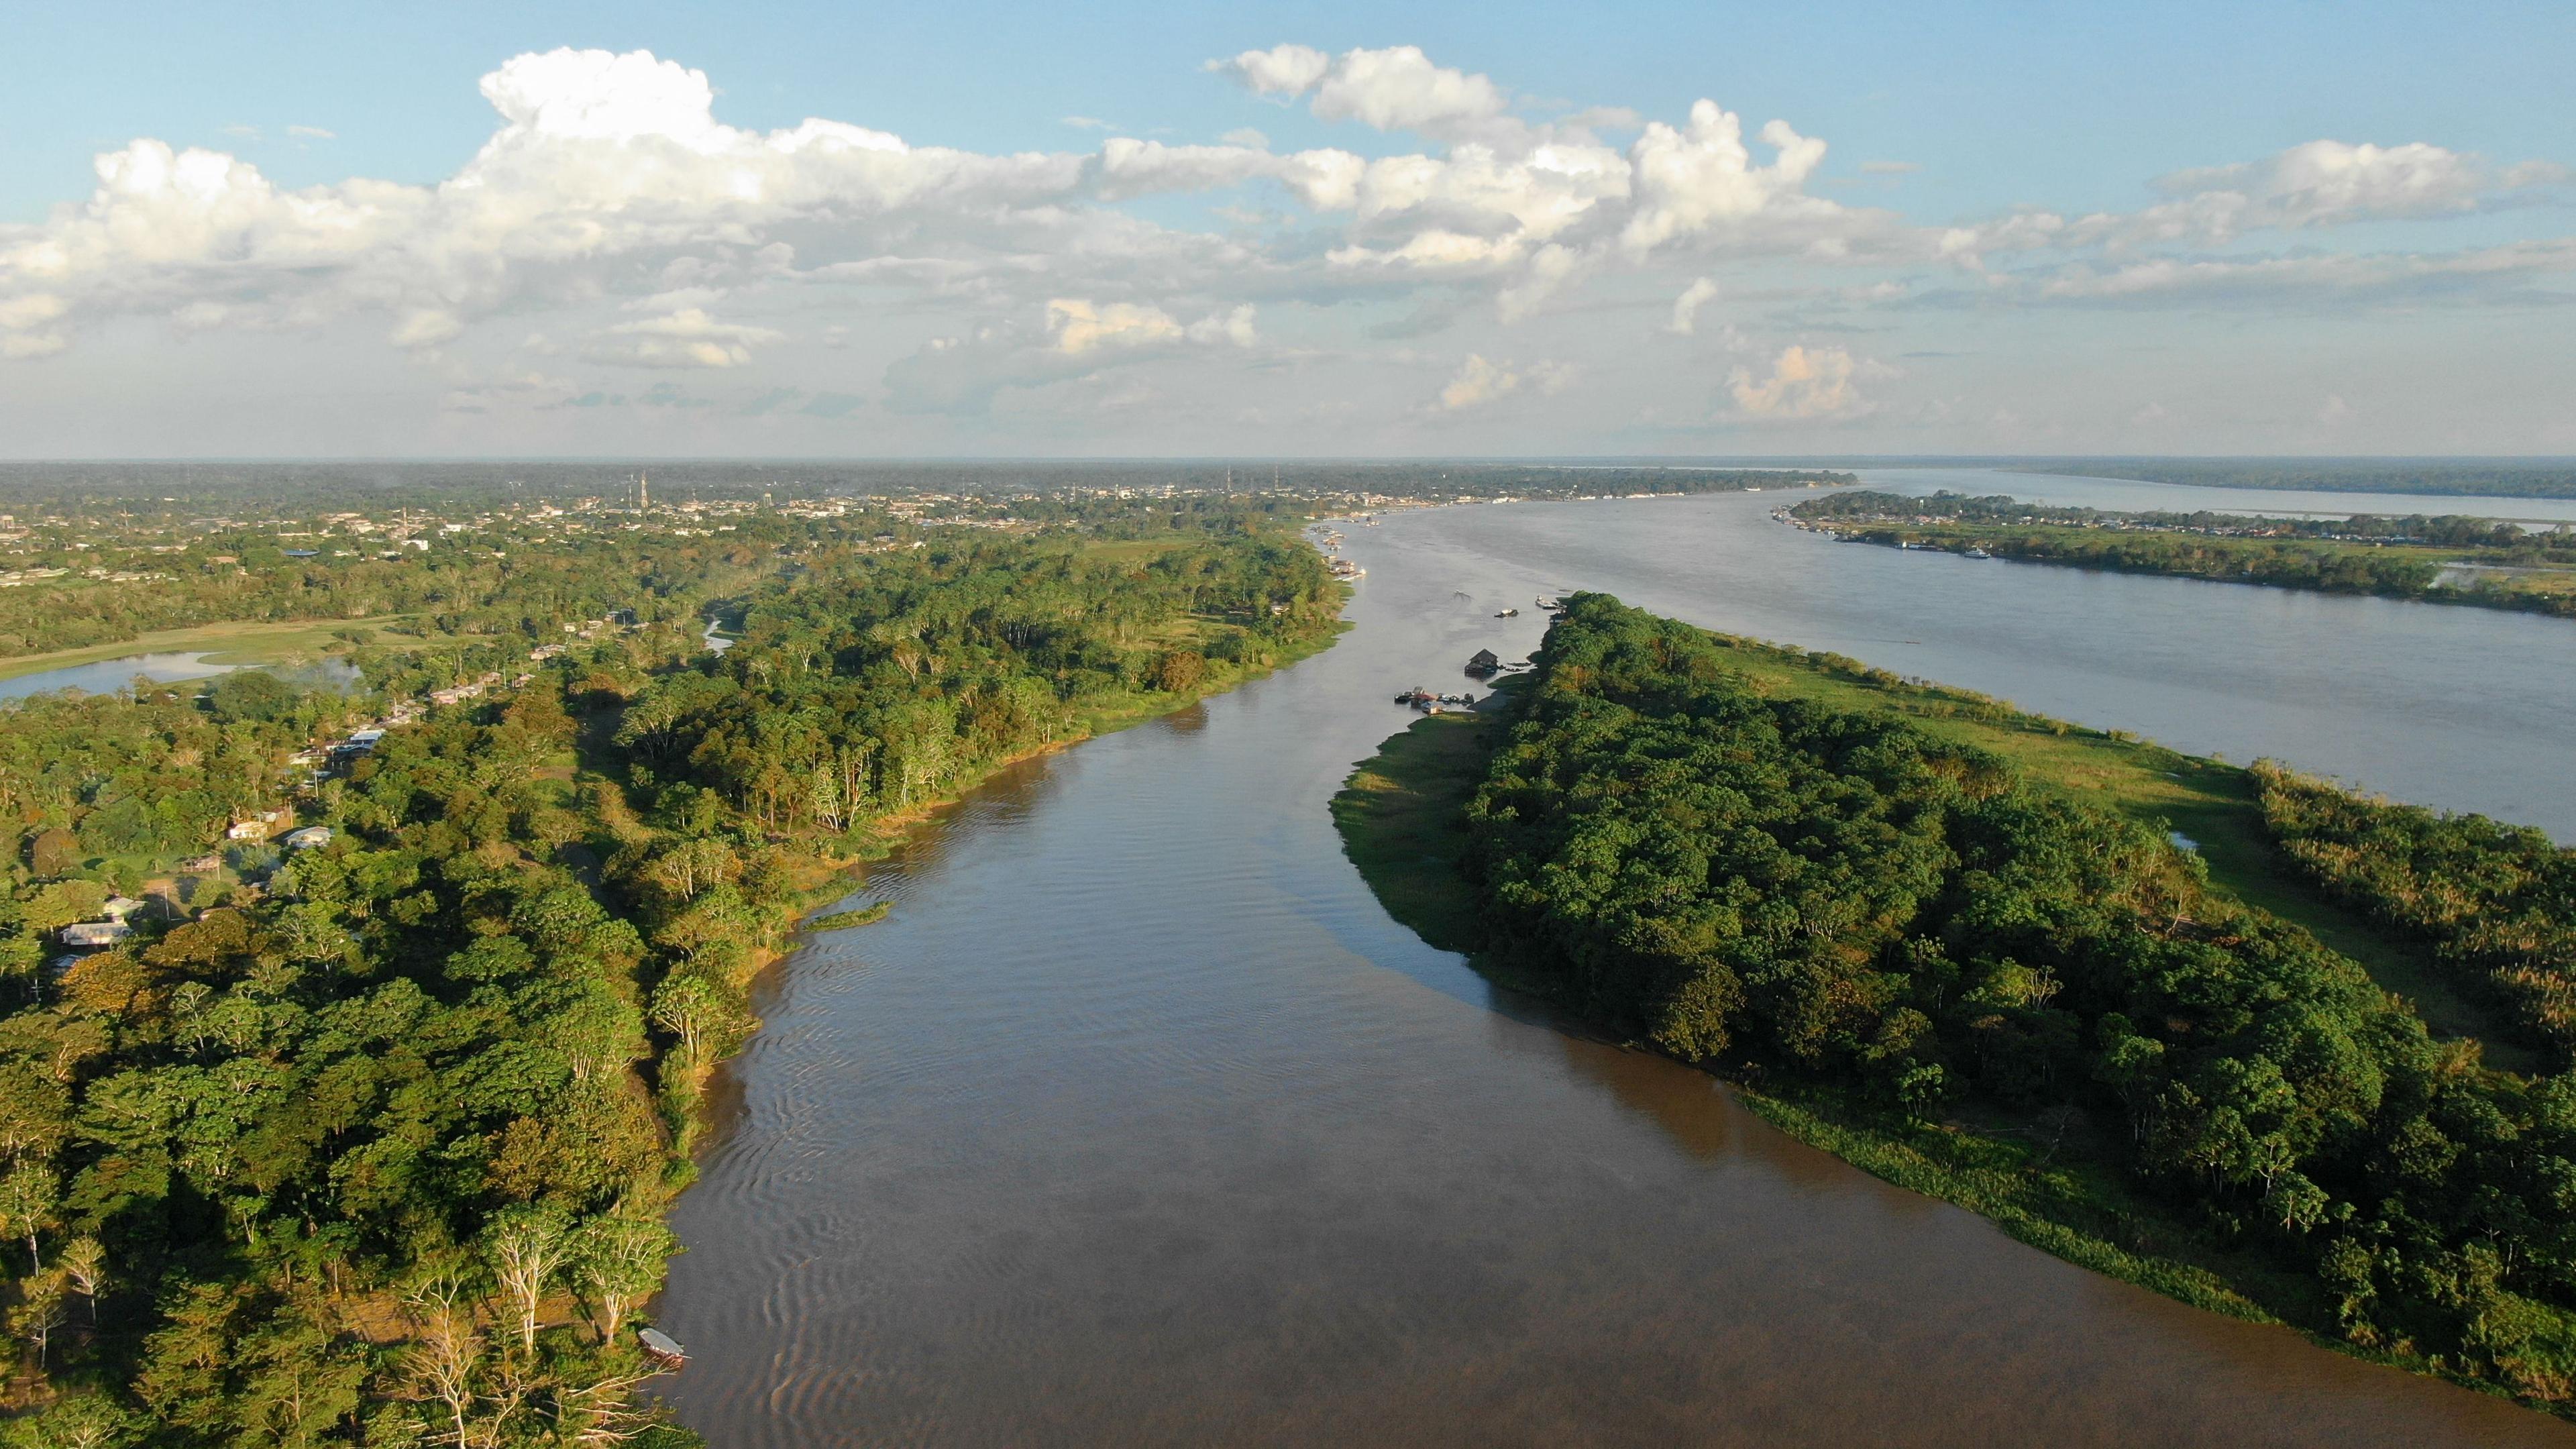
[94,935]
[308,838]
[255,827]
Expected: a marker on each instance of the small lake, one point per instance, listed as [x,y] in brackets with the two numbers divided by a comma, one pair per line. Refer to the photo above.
[106,676]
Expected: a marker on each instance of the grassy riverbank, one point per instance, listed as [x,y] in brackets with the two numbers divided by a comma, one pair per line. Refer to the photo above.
[2056,1176]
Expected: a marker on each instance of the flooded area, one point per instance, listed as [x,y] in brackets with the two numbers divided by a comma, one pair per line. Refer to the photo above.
[1139,1122]
[106,676]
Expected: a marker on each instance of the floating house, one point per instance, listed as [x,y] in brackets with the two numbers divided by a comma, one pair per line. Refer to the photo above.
[1486,661]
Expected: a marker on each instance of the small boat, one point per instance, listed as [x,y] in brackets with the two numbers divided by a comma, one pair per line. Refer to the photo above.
[1546,601]
[661,1347]
[1979,553]
[1509,614]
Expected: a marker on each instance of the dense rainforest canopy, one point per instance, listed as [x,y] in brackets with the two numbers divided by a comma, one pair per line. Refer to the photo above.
[1838,896]
[368,1142]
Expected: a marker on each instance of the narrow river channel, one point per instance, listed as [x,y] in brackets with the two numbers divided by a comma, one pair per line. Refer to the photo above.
[1139,1123]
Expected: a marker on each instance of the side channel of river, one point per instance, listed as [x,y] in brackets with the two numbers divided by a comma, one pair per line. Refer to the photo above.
[1139,1122]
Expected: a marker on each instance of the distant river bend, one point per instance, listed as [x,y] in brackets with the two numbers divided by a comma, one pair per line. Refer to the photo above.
[1139,1123]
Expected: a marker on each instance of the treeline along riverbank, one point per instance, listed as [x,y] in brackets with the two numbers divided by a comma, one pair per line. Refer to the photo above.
[371,1143]
[2443,560]
[1954,944]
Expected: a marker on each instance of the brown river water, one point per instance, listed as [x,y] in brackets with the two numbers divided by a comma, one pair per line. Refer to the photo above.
[1140,1123]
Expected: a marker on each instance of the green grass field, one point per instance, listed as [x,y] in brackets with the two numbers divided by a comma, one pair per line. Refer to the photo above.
[236,642]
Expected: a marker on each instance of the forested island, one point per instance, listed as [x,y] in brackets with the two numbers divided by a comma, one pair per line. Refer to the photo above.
[351,1113]
[2263,1070]
[2470,477]
[2444,560]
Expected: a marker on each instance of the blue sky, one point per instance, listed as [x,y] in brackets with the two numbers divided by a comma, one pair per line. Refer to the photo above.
[2373,256]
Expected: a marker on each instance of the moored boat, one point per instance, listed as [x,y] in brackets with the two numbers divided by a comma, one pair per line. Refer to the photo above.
[661,1347]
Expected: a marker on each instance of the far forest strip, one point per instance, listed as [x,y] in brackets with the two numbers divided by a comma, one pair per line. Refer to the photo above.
[2443,560]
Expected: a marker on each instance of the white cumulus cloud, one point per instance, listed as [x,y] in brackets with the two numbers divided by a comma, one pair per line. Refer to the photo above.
[687,337]
[1077,337]
[612,207]
[1079,326]
[1395,89]
[1803,383]
[1480,381]
[1698,294]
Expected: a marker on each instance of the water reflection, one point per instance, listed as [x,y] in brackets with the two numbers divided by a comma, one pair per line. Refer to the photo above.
[106,676]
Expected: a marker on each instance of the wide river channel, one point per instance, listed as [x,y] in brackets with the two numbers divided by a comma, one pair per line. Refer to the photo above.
[1140,1123]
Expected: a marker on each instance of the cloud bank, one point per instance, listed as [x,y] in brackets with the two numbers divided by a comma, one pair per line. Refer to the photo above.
[611,203]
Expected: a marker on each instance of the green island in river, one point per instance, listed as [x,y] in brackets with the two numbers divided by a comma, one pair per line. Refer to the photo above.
[2446,560]
[2229,1033]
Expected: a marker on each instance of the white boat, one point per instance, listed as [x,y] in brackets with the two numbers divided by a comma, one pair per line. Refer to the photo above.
[661,1347]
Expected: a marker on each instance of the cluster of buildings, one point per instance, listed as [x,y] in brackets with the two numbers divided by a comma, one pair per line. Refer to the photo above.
[470,689]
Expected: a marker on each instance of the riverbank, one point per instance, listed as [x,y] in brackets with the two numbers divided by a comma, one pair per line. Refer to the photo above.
[825,875]
[2050,1177]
